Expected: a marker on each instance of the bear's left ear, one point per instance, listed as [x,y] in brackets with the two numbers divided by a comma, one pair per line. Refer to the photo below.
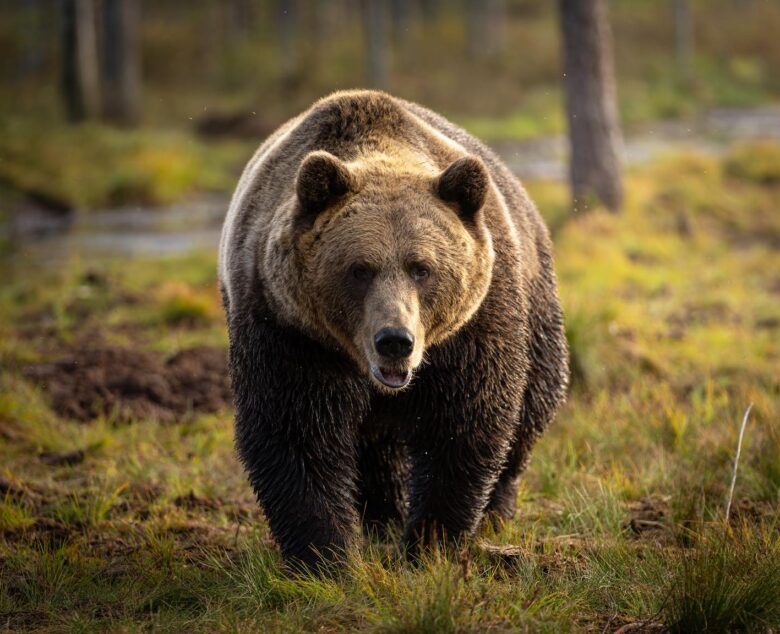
[322,179]
[465,183]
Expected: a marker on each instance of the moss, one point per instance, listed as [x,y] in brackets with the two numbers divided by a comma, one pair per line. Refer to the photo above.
[91,166]
[758,161]
[181,305]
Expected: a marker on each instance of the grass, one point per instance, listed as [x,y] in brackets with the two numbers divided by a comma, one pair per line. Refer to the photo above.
[93,166]
[672,316]
[181,304]
[726,584]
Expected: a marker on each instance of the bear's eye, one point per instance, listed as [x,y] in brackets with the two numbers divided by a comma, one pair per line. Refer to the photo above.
[420,272]
[361,273]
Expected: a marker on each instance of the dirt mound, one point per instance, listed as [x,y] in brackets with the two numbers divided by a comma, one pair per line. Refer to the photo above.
[130,384]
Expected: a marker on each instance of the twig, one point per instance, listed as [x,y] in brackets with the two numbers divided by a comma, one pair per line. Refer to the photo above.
[238,529]
[612,617]
[736,460]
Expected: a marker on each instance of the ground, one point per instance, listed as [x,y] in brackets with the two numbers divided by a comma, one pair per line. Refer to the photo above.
[123,507]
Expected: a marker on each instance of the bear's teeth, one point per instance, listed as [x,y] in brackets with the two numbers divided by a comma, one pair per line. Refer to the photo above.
[392,378]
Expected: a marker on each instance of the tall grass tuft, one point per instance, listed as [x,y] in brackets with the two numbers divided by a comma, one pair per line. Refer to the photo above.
[730,582]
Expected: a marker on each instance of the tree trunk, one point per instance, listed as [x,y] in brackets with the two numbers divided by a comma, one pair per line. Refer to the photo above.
[80,71]
[430,10]
[241,18]
[313,34]
[485,28]
[286,18]
[683,40]
[122,61]
[34,37]
[403,22]
[376,49]
[594,131]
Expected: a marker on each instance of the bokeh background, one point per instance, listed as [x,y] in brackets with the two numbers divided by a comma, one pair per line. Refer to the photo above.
[124,126]
[176,96]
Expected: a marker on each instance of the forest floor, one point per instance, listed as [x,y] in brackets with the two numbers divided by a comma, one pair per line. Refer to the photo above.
[123,507]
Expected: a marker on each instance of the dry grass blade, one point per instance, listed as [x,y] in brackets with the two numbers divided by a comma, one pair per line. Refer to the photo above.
[736,460]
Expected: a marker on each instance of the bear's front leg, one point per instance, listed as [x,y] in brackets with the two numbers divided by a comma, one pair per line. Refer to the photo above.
[297,407]
[457,458]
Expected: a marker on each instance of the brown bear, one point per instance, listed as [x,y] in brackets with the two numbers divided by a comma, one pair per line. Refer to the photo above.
[396,340]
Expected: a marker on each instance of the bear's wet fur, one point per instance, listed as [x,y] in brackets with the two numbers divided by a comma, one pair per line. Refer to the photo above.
[326,443]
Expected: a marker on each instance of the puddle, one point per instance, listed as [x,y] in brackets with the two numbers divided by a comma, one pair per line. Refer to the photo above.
[39,235]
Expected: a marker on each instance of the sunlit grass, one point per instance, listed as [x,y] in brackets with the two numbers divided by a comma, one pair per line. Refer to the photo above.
[94,166]
[672,317]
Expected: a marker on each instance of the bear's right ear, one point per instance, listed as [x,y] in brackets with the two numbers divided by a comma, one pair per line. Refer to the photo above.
[464,183]
[322,179]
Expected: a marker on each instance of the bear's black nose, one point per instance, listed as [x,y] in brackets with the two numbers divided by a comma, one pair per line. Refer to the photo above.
[394,343]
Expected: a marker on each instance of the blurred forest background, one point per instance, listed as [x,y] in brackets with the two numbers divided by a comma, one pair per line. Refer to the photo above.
[124,126]
[189,78]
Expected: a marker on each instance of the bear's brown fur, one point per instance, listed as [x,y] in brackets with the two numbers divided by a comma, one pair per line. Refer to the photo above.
[395,333]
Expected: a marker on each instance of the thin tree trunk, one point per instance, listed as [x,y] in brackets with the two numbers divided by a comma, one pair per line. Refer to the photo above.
[376,48]
[286,19]
[594,131]
[80,70]
[683,39]
[485,28]
[241,17]
[33,36]
[313,31]
[430,9]
[122,61]
[403,13]
[474,29]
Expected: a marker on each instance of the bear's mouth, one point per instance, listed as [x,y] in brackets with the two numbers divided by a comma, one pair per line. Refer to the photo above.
[392,378]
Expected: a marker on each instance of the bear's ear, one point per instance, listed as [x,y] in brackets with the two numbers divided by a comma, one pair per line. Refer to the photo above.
[464,183]
[322,179]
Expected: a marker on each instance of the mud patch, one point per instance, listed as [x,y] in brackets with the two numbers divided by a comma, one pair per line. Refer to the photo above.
[556,554]
[746,511]
[17,492]
[129,385]
[195,502]
[56,459]
[650,518]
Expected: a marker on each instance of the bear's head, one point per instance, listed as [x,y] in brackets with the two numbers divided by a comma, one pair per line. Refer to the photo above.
[388,256]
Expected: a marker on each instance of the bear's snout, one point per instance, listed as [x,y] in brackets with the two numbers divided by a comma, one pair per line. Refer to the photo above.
[391,337]
[394,343]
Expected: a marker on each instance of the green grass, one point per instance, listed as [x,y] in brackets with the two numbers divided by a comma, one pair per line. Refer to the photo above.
[729,583]
[540,114]
[672,316]
[95,166]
